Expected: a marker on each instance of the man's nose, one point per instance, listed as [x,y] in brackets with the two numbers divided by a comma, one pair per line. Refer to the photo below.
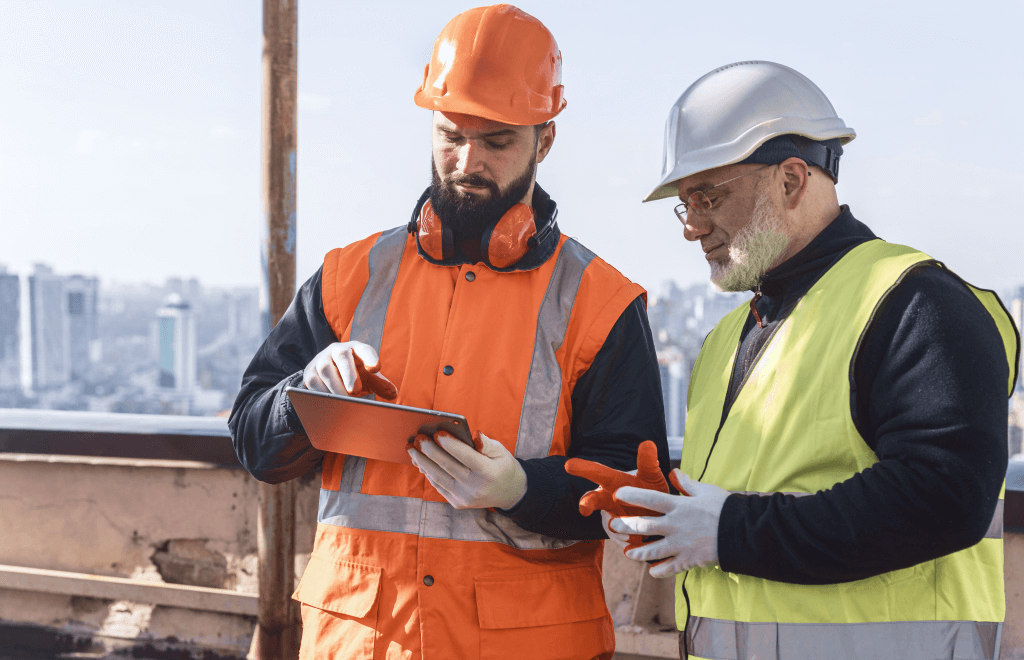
[696,226]
[470,158]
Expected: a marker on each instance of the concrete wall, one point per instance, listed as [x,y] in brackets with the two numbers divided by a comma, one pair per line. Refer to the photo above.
[188,523]
[156,521]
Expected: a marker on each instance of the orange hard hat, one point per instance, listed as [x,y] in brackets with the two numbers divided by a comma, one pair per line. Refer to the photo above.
[495,62]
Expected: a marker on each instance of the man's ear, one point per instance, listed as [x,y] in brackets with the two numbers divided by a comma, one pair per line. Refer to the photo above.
[795,180]
[545,140]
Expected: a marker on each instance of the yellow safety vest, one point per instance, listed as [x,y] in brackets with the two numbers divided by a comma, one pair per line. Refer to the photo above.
[790,430]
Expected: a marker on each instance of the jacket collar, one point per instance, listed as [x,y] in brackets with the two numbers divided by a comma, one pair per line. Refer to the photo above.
[545,210]
[804,268]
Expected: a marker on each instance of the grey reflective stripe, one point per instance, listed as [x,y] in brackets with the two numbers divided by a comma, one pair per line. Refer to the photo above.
[544,384]
[384,259]
[409,515]
[352,474]
[995,527]
[905,640]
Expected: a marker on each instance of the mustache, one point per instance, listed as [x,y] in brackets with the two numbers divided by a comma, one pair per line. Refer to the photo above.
[472,180]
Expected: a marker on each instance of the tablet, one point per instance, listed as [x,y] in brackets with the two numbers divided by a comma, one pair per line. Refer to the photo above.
[371,429]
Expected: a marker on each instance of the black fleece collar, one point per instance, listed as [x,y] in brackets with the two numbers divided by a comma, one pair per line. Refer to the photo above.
[545,211]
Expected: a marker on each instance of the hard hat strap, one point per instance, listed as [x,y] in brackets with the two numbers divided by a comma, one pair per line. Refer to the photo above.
[816,153]
[824,154]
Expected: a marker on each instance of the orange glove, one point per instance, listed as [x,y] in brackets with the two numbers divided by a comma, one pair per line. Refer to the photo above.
[648,475]
[372,381]
[422,437]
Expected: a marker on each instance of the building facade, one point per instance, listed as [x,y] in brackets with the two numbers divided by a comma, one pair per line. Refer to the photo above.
[10,330]
[176,345]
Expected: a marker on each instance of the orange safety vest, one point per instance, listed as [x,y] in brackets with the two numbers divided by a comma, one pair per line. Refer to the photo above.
[398,573]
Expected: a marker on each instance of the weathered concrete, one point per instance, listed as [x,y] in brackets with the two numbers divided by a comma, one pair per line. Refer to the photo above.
[167,521]
[156,521]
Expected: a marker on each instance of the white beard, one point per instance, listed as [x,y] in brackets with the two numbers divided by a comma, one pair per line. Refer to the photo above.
[754,249]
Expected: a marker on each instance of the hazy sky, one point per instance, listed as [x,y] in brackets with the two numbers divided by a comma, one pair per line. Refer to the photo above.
[129,131]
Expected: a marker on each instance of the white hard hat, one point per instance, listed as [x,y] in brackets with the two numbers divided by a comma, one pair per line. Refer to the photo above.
[728,113]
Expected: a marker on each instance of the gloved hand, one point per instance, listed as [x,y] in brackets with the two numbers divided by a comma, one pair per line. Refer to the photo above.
[689,525]
[486,477]
[647,476]
[621,540]
[350,368]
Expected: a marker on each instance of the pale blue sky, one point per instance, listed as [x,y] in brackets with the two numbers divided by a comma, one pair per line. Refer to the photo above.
[129,131]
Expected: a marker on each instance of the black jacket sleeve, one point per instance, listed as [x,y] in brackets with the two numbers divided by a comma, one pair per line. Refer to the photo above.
[268,437]
[616,405]
[929,396]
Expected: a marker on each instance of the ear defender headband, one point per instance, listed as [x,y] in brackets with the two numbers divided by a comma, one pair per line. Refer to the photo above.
[504,243]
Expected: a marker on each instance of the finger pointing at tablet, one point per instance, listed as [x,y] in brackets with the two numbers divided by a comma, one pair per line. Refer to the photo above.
[351,368]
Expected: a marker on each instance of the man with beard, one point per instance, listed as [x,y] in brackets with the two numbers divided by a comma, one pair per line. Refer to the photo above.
[846,438]
[478,306]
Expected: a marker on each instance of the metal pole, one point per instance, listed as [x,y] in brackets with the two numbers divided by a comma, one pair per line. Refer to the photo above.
[276,633]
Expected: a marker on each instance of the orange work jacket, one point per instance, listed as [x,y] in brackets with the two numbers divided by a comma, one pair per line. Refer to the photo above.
[398,573]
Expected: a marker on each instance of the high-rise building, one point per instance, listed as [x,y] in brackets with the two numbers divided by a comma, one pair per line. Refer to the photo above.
[675,380]
[48,334]
[176,343]
[10,330]
[62,327]
[80,297]
[244,313]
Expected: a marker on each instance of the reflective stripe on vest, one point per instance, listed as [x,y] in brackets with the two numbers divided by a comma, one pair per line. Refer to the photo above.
[384,260]
[906,640]
[995,527]
[347,507]
[544,386]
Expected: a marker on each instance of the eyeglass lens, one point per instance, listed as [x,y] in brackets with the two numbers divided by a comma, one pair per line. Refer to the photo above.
[699,202]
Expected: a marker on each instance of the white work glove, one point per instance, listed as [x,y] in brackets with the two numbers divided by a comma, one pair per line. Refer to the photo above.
[622,540]
[350,368]
[469,479]
[689,524]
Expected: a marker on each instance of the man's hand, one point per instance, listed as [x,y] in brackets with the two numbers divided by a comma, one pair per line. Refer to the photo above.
[469,479]
[348,368]
[621,540]
[647,475]
[689,524]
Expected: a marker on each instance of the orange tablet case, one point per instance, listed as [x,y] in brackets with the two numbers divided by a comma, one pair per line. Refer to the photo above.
[372,429]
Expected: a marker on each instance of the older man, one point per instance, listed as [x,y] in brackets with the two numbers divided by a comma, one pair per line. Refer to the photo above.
[846,432]
[478,306]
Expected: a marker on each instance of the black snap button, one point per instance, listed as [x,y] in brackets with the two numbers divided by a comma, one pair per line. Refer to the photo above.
[448,370]
[470,276]
[428,580]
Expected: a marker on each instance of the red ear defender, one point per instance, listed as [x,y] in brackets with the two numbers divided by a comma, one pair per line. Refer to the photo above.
[509,240]
[431,233]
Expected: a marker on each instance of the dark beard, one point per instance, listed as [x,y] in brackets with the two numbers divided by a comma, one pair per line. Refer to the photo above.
[466,214]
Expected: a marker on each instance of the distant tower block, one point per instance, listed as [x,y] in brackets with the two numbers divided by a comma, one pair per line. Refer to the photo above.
[81,295]
[177,345]
[10,330]
[48,335]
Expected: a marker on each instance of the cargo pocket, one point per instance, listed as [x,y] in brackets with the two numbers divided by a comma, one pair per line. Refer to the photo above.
[339,613]
[544,616]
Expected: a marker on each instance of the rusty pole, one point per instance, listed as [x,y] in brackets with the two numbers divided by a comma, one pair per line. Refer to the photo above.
[276,634]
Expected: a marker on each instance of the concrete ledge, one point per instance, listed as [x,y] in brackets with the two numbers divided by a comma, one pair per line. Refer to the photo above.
[112,588]
[109,461]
